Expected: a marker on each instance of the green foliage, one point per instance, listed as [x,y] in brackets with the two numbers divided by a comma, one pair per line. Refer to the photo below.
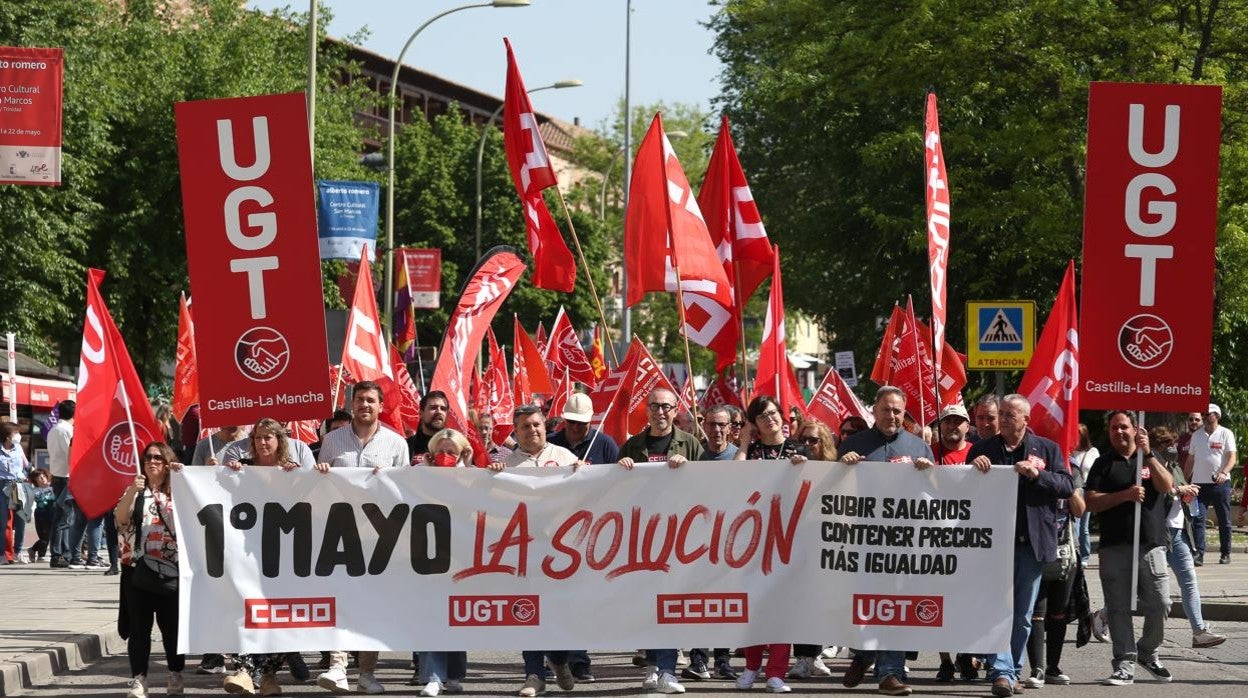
[826,100]
[119,207]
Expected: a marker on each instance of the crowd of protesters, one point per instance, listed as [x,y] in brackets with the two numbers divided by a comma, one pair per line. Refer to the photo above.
[1184,476]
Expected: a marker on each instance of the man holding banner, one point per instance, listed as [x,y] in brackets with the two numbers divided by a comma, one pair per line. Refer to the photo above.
[1113,493]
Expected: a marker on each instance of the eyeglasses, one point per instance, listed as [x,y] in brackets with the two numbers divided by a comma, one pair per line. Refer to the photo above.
[810,440]
[154,457]
[660,407]
[738,425]
[770,414]
[718,425]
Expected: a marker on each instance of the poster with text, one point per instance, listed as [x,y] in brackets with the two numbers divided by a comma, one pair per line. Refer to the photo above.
[30,115]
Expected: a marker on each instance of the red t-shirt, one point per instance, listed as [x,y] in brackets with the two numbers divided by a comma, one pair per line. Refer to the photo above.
[944,457]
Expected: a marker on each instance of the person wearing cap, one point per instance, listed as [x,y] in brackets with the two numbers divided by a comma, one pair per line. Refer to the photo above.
[588,444]
[1210,457]
[951,448]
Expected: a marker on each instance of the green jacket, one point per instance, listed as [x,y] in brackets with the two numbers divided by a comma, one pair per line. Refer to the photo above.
[683,444]
[1176,472]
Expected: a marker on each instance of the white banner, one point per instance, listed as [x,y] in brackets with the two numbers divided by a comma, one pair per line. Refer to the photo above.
[878,555]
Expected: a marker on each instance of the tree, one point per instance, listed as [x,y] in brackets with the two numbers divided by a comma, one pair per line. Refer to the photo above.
[826,100]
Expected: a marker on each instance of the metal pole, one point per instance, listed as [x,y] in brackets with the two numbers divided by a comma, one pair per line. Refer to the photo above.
[606,176]
[312,77]
[1135,542]
[626,322]
[12,353]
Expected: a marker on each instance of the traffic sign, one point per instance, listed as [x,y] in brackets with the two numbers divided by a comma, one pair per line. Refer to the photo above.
[1001,335]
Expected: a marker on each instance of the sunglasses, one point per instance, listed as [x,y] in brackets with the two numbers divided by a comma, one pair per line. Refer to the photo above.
[810,440]
[154,457]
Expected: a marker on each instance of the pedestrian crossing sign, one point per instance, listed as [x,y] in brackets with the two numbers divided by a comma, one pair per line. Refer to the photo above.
[1000,334]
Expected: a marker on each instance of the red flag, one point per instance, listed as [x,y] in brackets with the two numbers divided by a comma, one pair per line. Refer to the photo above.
[186,372]
[688,396]
[597,359]
[937,197]
[404,307]
[775,375]
[304,430]
[663,219]
[115,420]
[892,358]
[366,353]
[489,284]
[559,398]
[543,342]
[722,392]
[833,402]
[1051,382]
[620,400]
[882,371]
[530,369]
[407,397]
[735,226]
[908,371]
[497,389]
[553,265]
[339,378]
[564,351]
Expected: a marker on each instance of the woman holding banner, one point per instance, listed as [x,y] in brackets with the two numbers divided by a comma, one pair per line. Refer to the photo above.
[763,438]
[819,443]
[149,555]
[268,446]
[443,671]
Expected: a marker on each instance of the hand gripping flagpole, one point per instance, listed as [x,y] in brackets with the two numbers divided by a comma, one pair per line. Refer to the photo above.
[588,277]
[1135,543]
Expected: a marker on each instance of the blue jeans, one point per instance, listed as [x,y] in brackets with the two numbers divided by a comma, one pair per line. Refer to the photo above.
[19,524]
[64,518]
[665,660]
[1179,557]
[534,660]
[887,663]
[1027,574]
[1218,497]
[91,530]
[1083,535]
[443,666]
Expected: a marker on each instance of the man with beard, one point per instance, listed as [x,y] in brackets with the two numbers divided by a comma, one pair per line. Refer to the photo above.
[433,410]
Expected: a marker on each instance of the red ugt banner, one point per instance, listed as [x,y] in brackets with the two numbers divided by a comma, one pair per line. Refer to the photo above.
[253,259]
[1149,232]
[30,115]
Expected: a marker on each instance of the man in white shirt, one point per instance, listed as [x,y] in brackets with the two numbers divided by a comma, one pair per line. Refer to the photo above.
[59,439]
[1210,457]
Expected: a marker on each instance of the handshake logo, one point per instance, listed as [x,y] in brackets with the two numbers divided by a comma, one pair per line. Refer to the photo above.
[262,354]
[1145,341]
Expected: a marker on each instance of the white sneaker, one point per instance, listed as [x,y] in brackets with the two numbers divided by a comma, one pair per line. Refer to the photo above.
[682,659]
[745,681]
[776,685]
[1036,680]
[830,652]
[432,688]
[138,687]
[1207,638]
[175,686]
[651,682]
[534,685]
[334,680]
[670,684]
[818,668]
[801,669]
[368,683]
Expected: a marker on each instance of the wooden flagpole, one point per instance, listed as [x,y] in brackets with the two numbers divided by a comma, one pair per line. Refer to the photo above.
[567,216]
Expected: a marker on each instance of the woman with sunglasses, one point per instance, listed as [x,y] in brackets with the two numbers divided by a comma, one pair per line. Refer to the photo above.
[816,438]
[267,446]
[443,671]
[763,438]
[145,523]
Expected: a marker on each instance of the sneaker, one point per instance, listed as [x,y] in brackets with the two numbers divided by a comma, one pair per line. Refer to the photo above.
[97,565]
[431,689]
[696,671]
[59,563]
[1207,638]
[723,670]
[368,683]
[853,675]
[112,572]
[269,685]
[211,664]
[776,685]
[563,676]
[801,669]
[682,659]
[1002,687]
[334,680]
[453,686]
[298,668]
[1055,676]
[818,668]
[1036,680]
[893,686]
[639,658]
[174,687]
[138,687]
[240,684]
[746,680]
[1120,677]
[1198,559]
[1225,559]
[534,685]
[669,684]
[19,560]
[830,652]
[79,565]
[946,672]
[651,681]
[1100,625]
[968,668]
[581,672]
[1158,671]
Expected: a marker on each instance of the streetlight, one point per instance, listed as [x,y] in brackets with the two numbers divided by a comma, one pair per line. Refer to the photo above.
[602,197]
[394,84]
[572,82]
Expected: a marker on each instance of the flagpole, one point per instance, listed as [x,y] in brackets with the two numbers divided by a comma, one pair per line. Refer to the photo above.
[337,387]
[736,291]
[1135,542]
[576,240]
[605,412]
[134,438]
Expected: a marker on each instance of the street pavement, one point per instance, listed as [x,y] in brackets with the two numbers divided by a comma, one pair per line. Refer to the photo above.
[58,638]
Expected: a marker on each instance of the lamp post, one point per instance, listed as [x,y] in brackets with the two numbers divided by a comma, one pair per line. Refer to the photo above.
[394,84]
[572,82]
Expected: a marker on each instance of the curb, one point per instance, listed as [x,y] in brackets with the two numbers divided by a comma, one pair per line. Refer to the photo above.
[38,667]
[1222,612]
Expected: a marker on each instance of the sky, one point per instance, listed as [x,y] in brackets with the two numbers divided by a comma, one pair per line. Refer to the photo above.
[553,40]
